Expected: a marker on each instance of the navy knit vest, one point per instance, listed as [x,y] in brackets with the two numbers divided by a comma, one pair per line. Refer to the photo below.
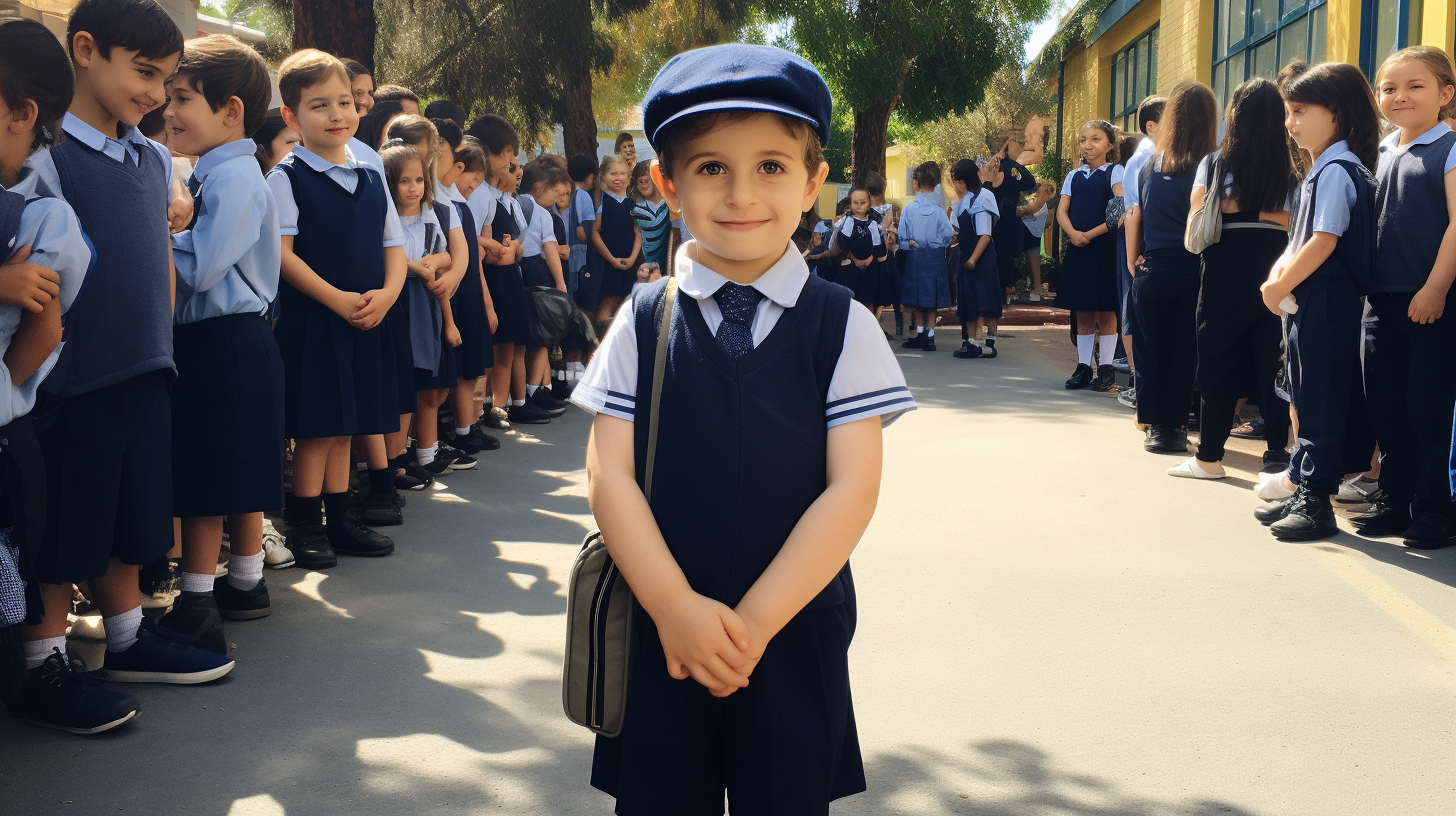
[1410,204]
[1163,202]
[1090,194]
[121,323]
[339,232]
[741,443]
[472,246]
[969,237]
[504,224]
[1354,255]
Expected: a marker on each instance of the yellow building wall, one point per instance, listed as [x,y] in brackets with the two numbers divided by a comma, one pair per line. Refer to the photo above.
[1185,43]
[1438,24]
[1088,73]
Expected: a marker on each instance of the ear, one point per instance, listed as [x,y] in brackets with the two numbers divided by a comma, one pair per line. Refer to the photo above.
[289,118]
[1447,93]
[812,186]
[232,111]
[23,118]
[666,186]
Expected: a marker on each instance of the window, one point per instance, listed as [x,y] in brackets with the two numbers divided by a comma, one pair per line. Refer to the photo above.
[1134,78]
[1386,27]
[1258,37]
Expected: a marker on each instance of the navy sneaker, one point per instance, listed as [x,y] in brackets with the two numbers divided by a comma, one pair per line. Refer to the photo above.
[241,604]
[528,414]
[158,656]
[472,442]
[194,618]
[61,694]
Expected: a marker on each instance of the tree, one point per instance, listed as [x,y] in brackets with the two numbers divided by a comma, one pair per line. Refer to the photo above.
[1010,104]
[921,60]
[344,28]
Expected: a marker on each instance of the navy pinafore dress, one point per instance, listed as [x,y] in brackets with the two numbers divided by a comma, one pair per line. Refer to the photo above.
[507,289]
[1009,234]
[868,284]
[618,233]
[734,473]
[978,290]
[476,353]
[337,380]
[1088,281]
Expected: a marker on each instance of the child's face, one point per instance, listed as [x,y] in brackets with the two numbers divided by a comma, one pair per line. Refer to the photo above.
[326,118]
[960,188]
[468,180]
[127,85]
[410,189]
[744,189]
[645,187]
[628,152]
[859,203]
[1312,127]
[1410,96]
[616,179]
[363,89]
[282,144]
[1094,144]
[554,196]
[445,165]
[194,127]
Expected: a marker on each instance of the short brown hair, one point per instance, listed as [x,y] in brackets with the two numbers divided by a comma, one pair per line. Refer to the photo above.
[219,67]
[1438,62]
[305,69]
[472,155]
[675,134]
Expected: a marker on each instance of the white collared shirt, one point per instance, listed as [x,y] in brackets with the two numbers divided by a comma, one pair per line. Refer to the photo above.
[1332,200]
[123,150]
[343,175]
[447,195]
[1132,171]
[1390,146]
[867,380]
[1116,171]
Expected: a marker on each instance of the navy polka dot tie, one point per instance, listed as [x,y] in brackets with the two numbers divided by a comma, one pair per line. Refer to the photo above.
[737,302]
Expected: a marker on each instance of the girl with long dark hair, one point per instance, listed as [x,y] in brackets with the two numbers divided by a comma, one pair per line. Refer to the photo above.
[1164,295]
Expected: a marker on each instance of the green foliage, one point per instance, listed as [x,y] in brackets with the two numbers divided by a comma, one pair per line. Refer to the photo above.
[1010,101]
[1076,27]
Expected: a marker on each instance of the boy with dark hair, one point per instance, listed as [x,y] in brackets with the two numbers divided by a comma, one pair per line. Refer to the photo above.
[227,403]
[1150,115]
[445,109]
[398,93]
[768,422]
[107,513]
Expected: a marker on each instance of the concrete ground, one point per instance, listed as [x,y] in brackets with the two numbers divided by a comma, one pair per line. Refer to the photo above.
[1049,625]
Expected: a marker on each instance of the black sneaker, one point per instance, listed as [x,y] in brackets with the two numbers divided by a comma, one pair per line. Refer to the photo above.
[406,481]
[967,351]
[158,656]
[1273,511]
[488,442]
[929,343]
[194,618]
[241,604]
[472,442]
[459,459]
[528,414]
[413,470]
[380,511]
[1081,377]
[61,694]
[1276,461]
[348,537]
[1431,531]
[1106,378]
[988,351]
[542,399]
[918,341]
[1382,520]
[439,466]
[1310,517]
[310,547]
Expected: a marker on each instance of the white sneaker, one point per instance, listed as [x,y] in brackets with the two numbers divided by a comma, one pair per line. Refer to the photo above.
[1357,489]
[1035,298]
[1191,468]
[275,555]
[1273,490]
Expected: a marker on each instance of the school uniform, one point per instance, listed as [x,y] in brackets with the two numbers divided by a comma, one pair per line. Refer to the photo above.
[653,221]
[227,403]
[617,231]
[31,217]
[891,285]
[925,284]
[502,215]
[434,361]
[820,263]
[338,380]
[1035,226]
[1164,299]
[1132,172]
[115,371]
[1237,335]
[1087,278]
[476,354]
[580,213]
[805,359]
[1015,181]
[978,289]
[1323,336]
[536,237]
[861,238]
[1410,370]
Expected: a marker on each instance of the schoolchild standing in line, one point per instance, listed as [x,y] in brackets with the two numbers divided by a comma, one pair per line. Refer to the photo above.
[616,238]
[651,215]
[925,233]
[864,248]
[1088,283]
[978,277]
[1150,117]
[1329,264]
[473,309]
[544,185]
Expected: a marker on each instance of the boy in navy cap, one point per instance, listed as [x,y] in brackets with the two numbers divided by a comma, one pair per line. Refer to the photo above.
[767,464]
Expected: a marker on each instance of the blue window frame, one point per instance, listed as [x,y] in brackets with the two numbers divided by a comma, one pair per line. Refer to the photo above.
[1386,26]
[1258,37]
[1134,78]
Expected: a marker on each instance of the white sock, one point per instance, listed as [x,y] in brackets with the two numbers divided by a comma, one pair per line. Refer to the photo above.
[196,582]
[245,571]
[1084,349]
[1107,347]
[561,374]
[517,402]
[426,455]
[930,332]
[532,389]
[462,431]
[920,330]
[36,651]
[121,631]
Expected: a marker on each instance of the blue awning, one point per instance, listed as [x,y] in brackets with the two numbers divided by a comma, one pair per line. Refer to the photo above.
[1116,11]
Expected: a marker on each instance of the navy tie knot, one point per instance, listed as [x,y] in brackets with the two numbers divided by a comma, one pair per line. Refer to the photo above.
[737,303]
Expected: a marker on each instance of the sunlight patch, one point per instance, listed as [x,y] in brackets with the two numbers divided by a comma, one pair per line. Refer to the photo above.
[260,805]
[309,586]
[400,764]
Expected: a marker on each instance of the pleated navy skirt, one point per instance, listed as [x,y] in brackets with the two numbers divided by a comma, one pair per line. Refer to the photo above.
[475,355]
[508,293]
[337,380]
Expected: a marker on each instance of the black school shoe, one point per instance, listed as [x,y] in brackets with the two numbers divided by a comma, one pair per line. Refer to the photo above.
[542,399]
[459,459]
[1081,377]
[918,341]
[310,547]
[1276,461]
[1273,511]
[1383,519]
[194,619]
[1165,439]
[241,604]
[159,656]
[988,351]
[348,537]
[967,351]
[929,343]
[380,511]
[472,442]
[1310,517]
[61,694]
[528,414]
[1106,378]
[1431,531]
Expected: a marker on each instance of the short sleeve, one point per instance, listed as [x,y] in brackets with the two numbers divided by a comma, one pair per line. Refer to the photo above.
[867,379]
[50,227]
[543,226]
[393,229]
[1450,159]
[1067,184]
[454,215]
[282,190]
[1200,178]
[983,223]
[1333,199]
[1117,171]
[599,206]
[482,208]
[584,210]
[609,384]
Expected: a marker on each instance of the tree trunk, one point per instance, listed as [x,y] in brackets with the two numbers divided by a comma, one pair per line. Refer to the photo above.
[871,126]
[579,124]
[344,28]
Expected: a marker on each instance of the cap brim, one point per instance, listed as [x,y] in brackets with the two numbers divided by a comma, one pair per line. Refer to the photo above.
[737,104]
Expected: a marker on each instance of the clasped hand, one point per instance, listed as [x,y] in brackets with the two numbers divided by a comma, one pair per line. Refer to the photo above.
[709,642]
[27,285]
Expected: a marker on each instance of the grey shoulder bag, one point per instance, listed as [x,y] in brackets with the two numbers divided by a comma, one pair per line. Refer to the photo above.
[599,604]
[1205,224]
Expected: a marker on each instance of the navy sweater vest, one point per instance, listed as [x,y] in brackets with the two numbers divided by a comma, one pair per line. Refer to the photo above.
[339,233]
[1410,204]
[1163,202]
[1354,255]
[741,443]
[1090,195]
[121,323]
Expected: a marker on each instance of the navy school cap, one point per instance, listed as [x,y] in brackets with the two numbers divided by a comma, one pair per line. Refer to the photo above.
[736,77]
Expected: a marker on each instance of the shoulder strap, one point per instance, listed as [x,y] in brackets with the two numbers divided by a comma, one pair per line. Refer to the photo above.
[528,209]
[659,370]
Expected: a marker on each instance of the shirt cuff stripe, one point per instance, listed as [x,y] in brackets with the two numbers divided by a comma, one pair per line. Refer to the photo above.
[880,393]
[904,403]
[626,411]
[624,397]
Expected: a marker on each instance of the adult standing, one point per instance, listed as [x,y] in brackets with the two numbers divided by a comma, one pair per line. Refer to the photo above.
[1009,181]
